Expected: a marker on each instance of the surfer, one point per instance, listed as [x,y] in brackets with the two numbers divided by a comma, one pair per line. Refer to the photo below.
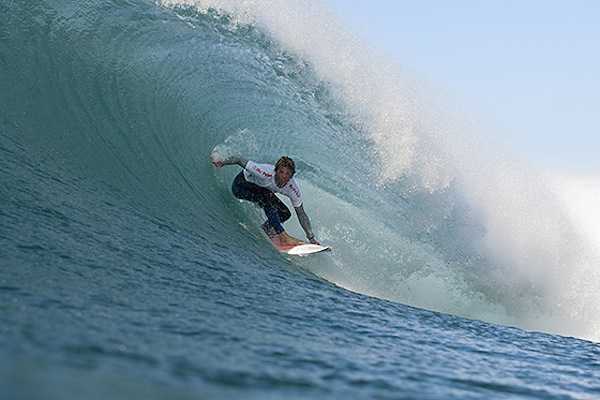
[258,183]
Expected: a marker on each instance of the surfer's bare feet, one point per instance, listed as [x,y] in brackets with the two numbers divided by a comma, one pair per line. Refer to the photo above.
[289,240]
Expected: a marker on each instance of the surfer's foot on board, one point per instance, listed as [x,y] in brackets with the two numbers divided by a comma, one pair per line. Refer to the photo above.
[288,240]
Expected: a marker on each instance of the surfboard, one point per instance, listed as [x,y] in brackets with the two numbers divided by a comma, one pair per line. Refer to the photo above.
[299,249]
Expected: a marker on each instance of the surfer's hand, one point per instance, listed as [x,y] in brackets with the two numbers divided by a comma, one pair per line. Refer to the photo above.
[218,164]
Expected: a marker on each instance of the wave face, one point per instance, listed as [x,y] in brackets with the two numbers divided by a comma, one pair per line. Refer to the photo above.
[111,111]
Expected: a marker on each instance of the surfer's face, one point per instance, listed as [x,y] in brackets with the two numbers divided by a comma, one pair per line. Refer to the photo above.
[283,176]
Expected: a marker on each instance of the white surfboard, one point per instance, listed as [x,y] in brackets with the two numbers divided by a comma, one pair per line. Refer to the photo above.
[299,249]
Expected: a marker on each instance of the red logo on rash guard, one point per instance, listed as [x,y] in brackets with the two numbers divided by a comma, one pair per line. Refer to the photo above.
[264,173]
[293,189]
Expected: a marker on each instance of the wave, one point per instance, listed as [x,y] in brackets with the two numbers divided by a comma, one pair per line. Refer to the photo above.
[421,203]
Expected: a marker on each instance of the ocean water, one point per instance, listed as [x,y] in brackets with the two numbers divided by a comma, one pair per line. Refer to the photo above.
[128,270]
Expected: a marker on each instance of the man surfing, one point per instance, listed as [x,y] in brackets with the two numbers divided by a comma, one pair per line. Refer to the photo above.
[258,183]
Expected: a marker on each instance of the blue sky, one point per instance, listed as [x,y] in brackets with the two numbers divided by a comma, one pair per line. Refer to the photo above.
[529,68]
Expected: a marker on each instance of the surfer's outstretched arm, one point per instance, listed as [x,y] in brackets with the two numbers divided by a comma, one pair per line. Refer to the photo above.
[305,223]
[229,161]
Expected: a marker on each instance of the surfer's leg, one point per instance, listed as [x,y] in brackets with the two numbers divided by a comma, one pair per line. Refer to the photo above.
[273,218]
[277,212]
[282,210]
[272,206]
[245,190]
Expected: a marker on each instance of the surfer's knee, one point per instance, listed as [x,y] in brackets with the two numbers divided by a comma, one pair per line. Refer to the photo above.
[284,214]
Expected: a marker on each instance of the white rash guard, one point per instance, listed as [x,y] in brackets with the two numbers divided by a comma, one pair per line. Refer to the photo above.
[264,175]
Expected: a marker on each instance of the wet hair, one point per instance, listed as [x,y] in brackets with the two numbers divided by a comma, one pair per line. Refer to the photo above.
[286,162]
